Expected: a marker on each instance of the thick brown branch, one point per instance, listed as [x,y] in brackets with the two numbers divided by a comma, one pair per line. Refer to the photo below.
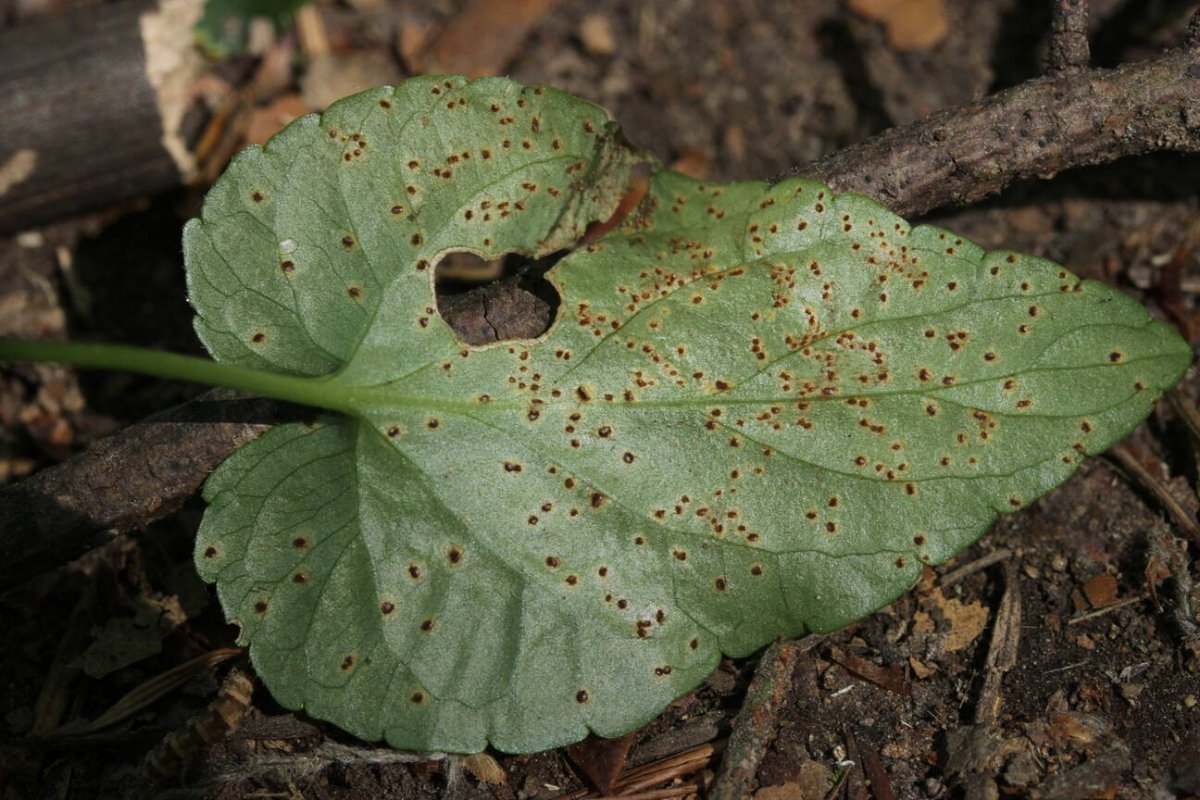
[961,155]
[125,481]
[1069,50]
[954,157]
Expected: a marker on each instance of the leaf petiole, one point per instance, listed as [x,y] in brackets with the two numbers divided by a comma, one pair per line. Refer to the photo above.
[306,391]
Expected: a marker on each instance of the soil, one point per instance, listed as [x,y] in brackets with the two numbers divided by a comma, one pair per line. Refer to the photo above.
[1103,696]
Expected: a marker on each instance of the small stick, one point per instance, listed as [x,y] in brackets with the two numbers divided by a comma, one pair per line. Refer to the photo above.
[1133,465]
[1002,653]
[647,775]
[1183,406]
[1069,51]
[1099,612]
[983,562]
[872,764]
[675,766]
[757,722]
[691,788]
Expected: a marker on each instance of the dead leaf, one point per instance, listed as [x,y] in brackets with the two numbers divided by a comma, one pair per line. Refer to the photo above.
[909,24]
[485,768]
[962,622]
[333,76]
[127,640]
[412,37]
[267,121]
[602,760]
[484,37]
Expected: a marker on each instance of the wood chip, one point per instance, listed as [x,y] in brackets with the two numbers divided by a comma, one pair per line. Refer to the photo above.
[1100,590]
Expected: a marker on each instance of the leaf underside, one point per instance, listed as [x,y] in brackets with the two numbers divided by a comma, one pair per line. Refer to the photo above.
[760,411]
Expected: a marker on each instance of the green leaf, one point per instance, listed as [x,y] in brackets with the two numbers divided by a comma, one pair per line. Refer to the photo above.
[224,30]
[760,411]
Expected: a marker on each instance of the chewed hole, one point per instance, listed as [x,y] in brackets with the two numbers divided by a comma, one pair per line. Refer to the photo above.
[496,300]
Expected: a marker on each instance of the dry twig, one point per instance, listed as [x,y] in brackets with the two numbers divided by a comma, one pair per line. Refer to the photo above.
[1134,467]
[1069,50]
[757,722]
[1002,652]
[1042,127]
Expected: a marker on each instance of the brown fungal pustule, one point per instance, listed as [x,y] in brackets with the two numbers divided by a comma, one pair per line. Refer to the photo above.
[260,607]
[414,572]
[428,625]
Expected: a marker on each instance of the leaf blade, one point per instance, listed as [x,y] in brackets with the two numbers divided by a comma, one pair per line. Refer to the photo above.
[760,411]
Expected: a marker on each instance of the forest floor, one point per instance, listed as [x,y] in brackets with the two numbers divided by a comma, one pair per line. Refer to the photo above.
[1055,658]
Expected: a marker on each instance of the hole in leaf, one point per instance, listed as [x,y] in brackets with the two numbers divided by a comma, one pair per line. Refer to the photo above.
[499,300]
